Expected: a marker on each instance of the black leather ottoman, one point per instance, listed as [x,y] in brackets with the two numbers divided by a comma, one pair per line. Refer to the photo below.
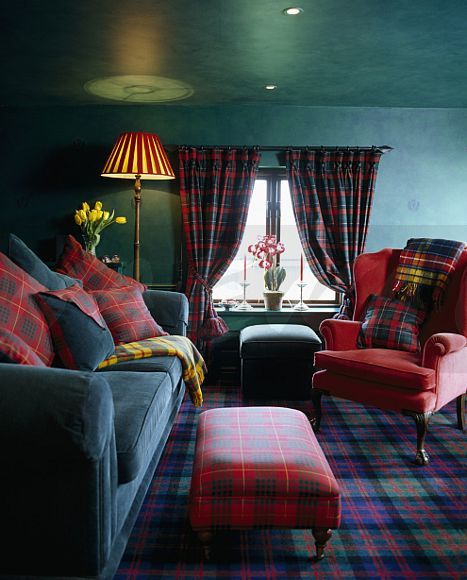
[277,361]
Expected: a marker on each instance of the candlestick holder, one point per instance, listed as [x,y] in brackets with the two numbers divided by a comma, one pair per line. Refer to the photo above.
[301,306]
[244,304]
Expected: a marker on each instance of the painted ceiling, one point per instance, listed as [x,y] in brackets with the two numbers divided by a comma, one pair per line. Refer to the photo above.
[359,53]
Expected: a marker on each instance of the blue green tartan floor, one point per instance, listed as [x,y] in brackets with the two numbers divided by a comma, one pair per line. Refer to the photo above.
[399,520]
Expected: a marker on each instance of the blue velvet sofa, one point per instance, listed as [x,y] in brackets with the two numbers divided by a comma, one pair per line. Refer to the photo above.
[78,452]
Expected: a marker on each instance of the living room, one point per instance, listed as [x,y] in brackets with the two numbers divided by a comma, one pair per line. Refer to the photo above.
[345,75]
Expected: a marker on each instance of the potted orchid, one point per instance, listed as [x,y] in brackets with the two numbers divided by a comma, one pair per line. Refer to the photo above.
[93,221]
[266,251]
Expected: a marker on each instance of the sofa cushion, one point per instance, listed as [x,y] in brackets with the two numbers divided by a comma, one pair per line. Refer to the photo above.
[390,323]
[95,275]
[26,259]
[391,367]
[19,312]
[164,364]
[141,402]
[81,337]
[127,315]
[15,350]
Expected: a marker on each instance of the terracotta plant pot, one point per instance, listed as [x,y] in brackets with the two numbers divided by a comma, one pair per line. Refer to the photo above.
[273,299]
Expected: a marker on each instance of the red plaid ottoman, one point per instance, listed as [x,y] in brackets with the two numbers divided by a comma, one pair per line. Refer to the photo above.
[258,467]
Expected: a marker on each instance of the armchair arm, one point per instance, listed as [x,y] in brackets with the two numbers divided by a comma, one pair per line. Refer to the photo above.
[169,309]
[340,334]
[440,345]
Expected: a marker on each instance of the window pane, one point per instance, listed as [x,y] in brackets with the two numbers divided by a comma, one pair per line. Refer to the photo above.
[290,259]
[230,287]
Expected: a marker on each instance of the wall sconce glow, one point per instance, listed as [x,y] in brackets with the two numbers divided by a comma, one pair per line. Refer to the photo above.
[270,87]
[292,11]
[139,88]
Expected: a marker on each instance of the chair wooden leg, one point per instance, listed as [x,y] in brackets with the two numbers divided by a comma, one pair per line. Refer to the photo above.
[321,536]
[205,538]
[421,420]
[461,412]
[315,421]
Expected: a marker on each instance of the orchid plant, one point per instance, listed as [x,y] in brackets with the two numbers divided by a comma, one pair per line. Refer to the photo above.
[93,221]
[266,251]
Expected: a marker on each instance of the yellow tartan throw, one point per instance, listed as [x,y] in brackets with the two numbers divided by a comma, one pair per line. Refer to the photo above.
[193,365]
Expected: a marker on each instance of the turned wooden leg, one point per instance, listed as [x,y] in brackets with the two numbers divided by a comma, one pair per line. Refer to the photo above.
[321,536]
[315,421]
[205,538]
[421,420]
[461,412]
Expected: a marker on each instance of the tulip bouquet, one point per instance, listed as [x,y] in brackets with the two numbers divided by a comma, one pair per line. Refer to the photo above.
[266,250]
[93,221]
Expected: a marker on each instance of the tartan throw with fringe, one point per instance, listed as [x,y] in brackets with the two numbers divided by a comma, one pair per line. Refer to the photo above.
[332,193]
[215,190]
[193,365]
[424,268]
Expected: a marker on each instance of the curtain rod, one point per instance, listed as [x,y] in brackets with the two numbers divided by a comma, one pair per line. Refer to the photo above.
[380,148]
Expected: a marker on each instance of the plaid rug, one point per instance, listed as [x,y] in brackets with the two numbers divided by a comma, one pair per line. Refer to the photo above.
[399,520]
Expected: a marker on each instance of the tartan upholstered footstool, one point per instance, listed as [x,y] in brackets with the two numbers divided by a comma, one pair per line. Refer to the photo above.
[261,467]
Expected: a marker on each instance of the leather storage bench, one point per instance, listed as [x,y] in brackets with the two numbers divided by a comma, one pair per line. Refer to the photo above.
[277,361]
[261,467]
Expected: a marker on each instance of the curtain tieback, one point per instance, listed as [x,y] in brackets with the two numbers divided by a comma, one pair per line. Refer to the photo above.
[201,280]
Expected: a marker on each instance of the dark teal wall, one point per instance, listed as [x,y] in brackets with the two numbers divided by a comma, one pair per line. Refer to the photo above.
[51,162]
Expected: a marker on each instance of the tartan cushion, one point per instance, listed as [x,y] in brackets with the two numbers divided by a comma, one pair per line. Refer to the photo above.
[80,335]
[95,275]
[126,315]
[15,350]
[260,467]
[19,313]
[390,323]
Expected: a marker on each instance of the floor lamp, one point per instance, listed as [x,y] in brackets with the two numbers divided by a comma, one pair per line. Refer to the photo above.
[138,156]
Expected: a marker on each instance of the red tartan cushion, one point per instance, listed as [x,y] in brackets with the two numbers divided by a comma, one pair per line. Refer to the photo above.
[390,323]
[126,315]
[260,467]
[95,275]
[19,313]
[80,335]
[15,350]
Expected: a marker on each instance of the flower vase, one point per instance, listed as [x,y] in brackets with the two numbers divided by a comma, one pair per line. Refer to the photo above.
[91,243]
[273,299]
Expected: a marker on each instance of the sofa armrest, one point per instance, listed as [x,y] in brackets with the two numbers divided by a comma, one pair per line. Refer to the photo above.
[169,309]
[340,334]
[59,466]
[440,345]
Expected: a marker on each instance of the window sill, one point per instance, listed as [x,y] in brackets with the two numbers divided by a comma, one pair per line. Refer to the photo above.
[260,310]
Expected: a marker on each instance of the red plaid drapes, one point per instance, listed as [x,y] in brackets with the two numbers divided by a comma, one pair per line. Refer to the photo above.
[215,188]
[332,192]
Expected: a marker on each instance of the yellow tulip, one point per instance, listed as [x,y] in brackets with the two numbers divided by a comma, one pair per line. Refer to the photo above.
[78,220]
[98,205]
[82,215]
[99,214]
[120,220]
[86,206]
[92,215]
[106,215]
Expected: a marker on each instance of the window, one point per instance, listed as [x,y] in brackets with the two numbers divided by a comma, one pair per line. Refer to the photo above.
[271,212]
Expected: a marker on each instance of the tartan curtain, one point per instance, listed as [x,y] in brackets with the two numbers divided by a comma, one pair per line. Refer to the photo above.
[332,192]
[215,189]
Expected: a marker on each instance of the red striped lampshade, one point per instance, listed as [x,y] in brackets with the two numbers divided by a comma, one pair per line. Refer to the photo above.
[138,154]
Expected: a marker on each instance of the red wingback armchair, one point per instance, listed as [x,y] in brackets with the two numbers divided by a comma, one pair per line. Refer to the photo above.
[415,384]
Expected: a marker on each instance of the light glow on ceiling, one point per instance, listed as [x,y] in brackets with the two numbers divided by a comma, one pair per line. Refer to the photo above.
[270,87]
[292,11]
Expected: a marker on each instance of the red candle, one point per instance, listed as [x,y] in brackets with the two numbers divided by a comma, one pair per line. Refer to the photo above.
[244,268]
[301,267]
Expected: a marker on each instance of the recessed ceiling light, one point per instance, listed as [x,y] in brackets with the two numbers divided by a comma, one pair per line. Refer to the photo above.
[292,11]
[270,87]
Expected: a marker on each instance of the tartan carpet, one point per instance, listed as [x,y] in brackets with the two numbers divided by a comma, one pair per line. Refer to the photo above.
[399,520]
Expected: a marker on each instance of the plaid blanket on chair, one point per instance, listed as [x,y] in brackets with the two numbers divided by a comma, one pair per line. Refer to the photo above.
[425,265]
[193,364]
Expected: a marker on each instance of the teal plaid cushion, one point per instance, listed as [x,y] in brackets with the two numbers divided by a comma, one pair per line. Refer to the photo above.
[390,323]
